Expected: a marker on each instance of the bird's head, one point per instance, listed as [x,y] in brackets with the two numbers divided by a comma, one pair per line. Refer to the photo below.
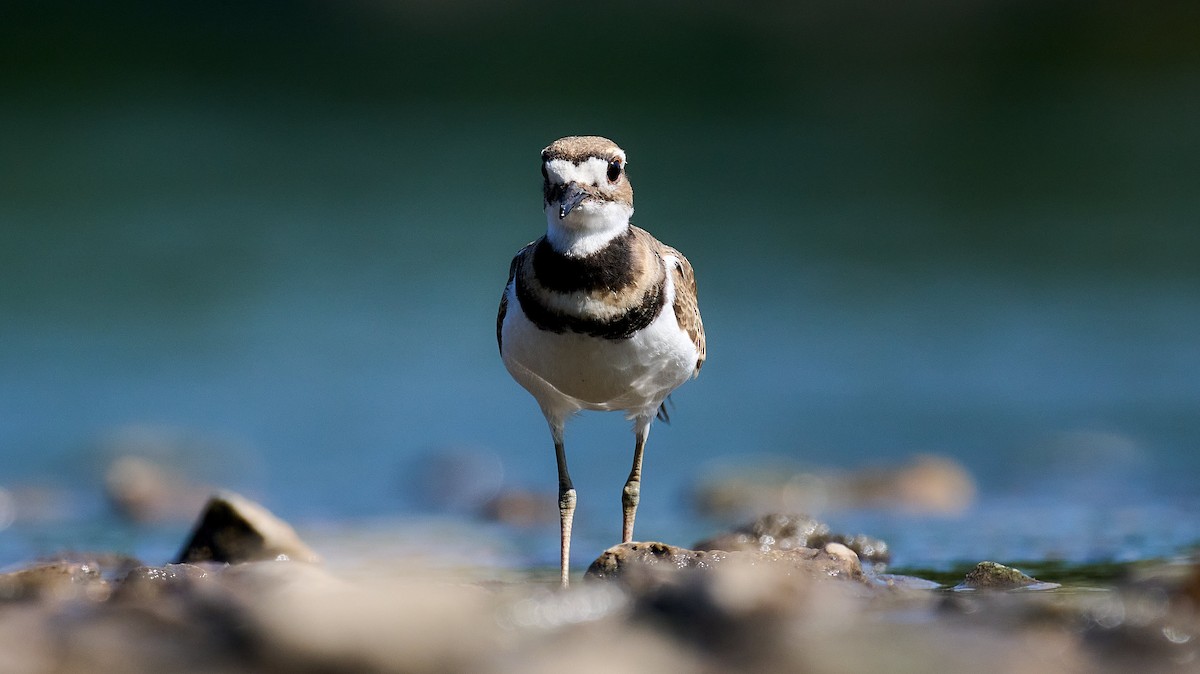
[586,193]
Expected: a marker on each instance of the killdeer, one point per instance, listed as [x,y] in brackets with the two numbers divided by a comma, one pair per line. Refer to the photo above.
[597,314]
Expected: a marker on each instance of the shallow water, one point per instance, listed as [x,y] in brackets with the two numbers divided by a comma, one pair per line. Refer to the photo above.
[290,291]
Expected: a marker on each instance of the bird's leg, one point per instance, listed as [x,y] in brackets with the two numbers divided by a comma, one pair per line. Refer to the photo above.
[633,486]
[566,505]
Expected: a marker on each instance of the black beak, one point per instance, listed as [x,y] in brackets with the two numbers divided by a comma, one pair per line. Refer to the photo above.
[571,196]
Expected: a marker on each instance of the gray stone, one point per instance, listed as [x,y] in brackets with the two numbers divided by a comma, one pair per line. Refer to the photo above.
[993,576]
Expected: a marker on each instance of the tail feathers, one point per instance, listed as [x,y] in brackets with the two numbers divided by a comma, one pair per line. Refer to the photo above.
[663,415]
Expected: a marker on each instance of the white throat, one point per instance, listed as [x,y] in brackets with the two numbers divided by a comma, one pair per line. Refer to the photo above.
[587,228]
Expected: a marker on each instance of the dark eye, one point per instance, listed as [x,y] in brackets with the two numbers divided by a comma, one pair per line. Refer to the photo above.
[545,173]
[614,170]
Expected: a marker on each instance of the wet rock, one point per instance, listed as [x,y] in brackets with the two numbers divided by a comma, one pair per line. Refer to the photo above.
[635,563]
[649,557]
[152,583]
[739,611]
[74,575]
[234,529]
[781,531]
[993,576]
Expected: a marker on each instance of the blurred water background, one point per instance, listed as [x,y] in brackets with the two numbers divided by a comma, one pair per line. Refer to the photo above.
[264,242]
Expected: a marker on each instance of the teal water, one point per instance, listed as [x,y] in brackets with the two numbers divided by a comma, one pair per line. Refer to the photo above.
[274,244]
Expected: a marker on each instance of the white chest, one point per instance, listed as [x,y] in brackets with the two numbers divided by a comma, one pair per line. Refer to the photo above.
[568,372]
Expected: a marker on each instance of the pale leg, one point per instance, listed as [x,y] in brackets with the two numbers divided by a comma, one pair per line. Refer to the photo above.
[633,486]
[566,505]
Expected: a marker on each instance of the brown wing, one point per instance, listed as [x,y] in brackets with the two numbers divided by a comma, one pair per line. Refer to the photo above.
[512,272]
[687,308]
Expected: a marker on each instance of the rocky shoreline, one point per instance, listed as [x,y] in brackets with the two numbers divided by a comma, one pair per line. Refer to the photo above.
[782,593]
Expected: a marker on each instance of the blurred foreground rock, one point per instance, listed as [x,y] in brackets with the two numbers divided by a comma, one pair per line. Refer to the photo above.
[799,609]
[292,617]
[928,484]
[235,529]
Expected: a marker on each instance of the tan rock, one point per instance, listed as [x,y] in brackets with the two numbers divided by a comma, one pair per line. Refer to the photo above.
[303,618]
[143,490]
[927,484]
[63,579]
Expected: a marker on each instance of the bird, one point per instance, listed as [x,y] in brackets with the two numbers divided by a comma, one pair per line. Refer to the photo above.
[597,314]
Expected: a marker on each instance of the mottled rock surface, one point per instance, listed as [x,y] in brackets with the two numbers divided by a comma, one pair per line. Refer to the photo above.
[637,560]
[642,557]
[785,531]
[993,576]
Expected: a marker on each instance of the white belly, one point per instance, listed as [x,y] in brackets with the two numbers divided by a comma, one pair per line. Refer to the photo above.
[568,372]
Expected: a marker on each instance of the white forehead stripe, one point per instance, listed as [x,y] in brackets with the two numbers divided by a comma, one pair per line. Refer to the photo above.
[594,171]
